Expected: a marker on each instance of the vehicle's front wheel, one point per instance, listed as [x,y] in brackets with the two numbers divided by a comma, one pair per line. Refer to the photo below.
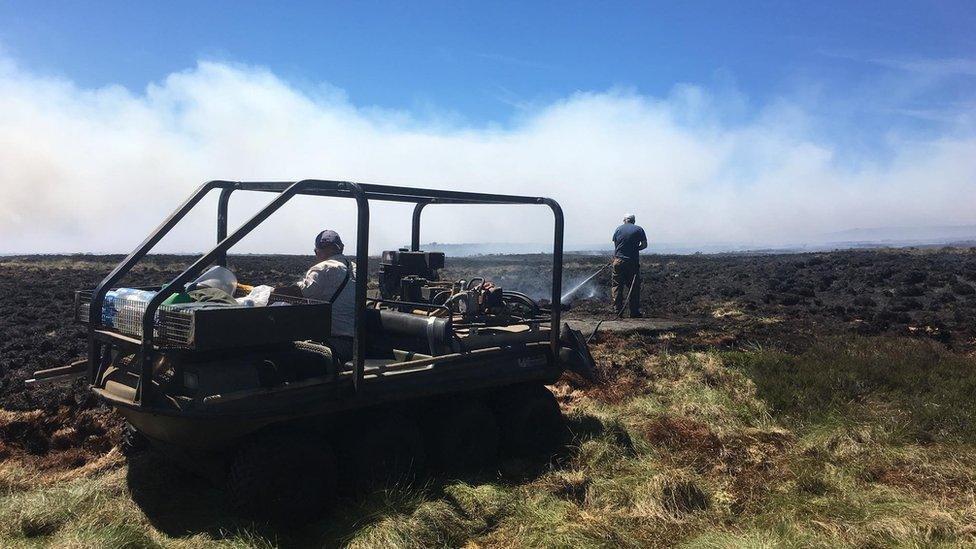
[464,437]
[530,421]
[283,479]
[133,442]
[383,448]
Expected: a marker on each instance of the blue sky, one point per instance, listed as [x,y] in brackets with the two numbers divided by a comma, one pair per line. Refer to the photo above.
[742,122]
[481,61]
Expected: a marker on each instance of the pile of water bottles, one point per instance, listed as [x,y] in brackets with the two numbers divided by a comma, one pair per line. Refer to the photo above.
[123,308]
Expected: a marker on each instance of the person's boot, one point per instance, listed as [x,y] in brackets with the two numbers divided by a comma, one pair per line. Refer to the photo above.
[636,314]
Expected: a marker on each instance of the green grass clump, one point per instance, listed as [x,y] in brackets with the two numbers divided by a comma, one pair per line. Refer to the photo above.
[854,443]
[918,378]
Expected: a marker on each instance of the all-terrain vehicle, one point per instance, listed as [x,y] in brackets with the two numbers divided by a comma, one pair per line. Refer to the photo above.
[445,372]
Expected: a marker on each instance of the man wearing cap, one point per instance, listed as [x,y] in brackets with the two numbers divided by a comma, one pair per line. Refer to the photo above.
[628,240]
[333,279]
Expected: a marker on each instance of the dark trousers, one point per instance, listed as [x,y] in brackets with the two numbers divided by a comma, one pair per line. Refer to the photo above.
[625,272]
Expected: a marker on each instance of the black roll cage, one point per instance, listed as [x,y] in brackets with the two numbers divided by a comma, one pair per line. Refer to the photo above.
[99,340]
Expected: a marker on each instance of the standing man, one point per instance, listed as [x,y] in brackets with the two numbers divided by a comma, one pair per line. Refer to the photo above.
[628,240]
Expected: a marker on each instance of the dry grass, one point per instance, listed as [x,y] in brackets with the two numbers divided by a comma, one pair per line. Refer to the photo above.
[855,443]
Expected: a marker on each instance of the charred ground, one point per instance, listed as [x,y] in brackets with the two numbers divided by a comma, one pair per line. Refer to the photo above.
[804,376]
[780,301]
[774,300]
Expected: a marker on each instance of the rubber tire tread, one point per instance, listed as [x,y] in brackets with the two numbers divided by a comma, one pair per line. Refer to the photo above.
[383,435]
[530,421]
[133,442]
[282,479]
[465,437]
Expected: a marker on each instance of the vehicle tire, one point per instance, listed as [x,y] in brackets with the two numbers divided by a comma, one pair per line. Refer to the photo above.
[464,437]
[529,421]
[385,449]
[133,442]
[282,479]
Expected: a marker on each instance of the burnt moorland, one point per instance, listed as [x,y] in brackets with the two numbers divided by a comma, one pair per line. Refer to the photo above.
[825,394]
[775,300]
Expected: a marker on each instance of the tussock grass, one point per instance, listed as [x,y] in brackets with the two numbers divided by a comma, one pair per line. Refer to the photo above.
[928,389]
[855,443]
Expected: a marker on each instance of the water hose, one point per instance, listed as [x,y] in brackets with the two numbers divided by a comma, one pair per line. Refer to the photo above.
[620,313]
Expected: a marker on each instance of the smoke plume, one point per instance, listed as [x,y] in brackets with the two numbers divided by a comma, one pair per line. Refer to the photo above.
[96,169]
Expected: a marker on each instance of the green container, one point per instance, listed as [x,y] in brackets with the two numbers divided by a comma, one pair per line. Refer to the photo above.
[179,297]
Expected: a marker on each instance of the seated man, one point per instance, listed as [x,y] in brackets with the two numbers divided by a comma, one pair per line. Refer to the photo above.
[332,279]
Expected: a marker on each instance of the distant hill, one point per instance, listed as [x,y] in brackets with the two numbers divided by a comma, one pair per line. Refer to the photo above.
[877,237]
[486,248]
[904,235]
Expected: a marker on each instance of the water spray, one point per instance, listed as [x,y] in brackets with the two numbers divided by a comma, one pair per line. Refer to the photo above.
[581,284]
[620,313]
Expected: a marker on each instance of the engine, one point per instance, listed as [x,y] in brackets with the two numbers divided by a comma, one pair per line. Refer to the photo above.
[404,272]
[412,278]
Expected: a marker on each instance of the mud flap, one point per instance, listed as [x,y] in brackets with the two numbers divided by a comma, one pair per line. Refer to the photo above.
[76,369]
[575,353]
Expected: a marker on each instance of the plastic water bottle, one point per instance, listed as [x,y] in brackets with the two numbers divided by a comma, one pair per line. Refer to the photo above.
[108,309]
[129,304]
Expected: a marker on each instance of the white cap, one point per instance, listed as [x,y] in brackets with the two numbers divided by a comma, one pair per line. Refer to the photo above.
[630,218]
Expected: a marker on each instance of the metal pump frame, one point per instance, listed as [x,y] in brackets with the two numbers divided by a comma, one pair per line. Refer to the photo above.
[100,339]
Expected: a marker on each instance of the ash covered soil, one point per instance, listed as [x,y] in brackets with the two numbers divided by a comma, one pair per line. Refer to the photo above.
[781,301]
[728,301]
